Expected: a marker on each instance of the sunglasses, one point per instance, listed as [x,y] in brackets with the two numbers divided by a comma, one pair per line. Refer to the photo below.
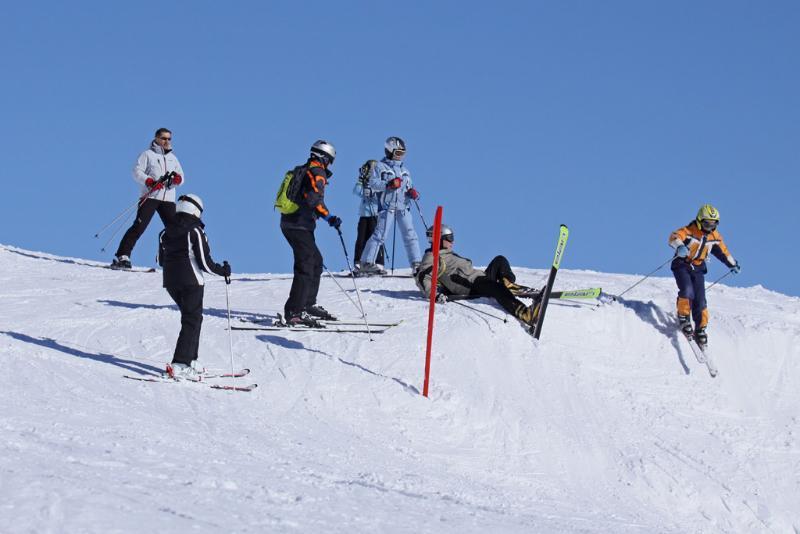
[165,138]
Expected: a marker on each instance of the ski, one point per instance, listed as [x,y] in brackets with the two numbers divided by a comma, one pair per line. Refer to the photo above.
[563,235]
[131,270]
[342,322]
[588,293]
[701,353]
[332,328]
[167,380]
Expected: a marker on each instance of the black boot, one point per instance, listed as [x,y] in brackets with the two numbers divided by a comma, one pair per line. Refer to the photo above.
[685,324]
[701,337]
[318,311]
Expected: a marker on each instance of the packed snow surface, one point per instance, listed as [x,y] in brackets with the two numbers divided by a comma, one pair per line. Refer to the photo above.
[607,424]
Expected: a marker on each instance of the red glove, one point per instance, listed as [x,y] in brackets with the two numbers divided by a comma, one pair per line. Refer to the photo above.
[177,179]
[412,193]
[152,185]
[394,184]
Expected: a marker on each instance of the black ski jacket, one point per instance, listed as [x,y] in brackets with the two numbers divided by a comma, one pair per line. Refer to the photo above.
[312,199]
[184,254]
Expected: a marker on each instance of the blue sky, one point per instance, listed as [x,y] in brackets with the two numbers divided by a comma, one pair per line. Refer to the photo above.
[617,118]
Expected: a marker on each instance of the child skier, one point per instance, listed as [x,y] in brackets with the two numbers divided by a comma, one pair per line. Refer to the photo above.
[692,244]
[184,254]
[368,213]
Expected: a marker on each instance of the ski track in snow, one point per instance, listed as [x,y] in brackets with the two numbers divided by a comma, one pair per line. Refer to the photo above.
[607,424]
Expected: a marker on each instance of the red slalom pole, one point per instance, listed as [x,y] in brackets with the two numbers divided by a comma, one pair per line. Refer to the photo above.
[437,235]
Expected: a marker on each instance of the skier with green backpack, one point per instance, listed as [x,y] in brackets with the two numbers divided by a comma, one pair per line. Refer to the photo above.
[301,201]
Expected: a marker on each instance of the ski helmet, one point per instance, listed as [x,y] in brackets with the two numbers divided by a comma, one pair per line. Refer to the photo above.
[324,151]
[191,204]
[394,146]
[707,217]
[446,233]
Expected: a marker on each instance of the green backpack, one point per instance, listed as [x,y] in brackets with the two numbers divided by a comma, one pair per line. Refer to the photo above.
[289,191]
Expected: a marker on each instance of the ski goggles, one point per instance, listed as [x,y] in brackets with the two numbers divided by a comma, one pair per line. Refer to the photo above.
[709,225]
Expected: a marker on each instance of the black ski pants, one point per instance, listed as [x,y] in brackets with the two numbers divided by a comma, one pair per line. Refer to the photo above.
[491,285]
[366,225]
[190,301]
[307,270]
[166,210]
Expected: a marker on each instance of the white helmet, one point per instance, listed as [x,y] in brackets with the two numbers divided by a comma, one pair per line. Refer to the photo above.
[324,150]
[393,145]
[446,233]
[191,204]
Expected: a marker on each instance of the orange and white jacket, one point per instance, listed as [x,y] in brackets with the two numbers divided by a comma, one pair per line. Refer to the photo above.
[701,244]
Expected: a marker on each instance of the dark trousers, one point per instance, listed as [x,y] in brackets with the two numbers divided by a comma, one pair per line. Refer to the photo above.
[307,270]
[691,285]
[166,210]
[366,225]
[492,285]
[190,301]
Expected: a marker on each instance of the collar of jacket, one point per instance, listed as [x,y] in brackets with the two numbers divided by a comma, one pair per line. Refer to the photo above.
[315,163]
[155,147]
[392,162]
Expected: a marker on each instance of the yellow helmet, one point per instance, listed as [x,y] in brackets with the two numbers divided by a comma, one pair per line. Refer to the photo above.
[707,217]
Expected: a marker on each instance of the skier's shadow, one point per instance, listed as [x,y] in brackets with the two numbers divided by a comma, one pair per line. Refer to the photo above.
[213,312]
[130,365]
[652,314]
[404,295]
[296,345]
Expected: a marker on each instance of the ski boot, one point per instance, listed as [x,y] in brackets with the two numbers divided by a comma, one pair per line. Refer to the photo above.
[121,262]
[370,269]
[181,371]
[685,324]
[302,318]
[319,312]
[700,337]
[518,290]
[528,315]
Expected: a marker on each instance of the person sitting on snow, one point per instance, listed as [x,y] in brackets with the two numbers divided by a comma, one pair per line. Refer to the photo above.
[458,278]
[692,244]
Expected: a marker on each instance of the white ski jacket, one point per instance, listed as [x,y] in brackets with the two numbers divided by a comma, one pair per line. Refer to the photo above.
[153,163]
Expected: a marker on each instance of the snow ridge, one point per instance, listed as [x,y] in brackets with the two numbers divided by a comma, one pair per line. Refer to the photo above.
[607,424]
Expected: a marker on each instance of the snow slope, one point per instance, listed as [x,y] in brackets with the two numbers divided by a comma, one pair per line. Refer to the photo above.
[608,424]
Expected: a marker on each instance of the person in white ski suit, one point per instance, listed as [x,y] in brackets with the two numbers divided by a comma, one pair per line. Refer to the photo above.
[391,181]
[158,172]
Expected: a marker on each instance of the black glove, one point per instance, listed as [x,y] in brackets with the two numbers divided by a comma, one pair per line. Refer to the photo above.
[226,269]
[334,221]
[364,172]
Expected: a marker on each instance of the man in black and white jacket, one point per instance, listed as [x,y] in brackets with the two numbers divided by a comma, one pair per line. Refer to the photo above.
[184,254]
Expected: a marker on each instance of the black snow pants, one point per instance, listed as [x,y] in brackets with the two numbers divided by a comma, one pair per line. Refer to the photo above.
[190,301]
[307,270]
[366,225]
[491,285]
[166,210]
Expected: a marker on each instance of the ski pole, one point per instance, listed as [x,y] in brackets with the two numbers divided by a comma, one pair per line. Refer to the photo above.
[230,332]
[394,238]
[353,276]
[419,210]
[124,212]
[136,204]
[718,280]
[645,277]
[120,227]
[476,310]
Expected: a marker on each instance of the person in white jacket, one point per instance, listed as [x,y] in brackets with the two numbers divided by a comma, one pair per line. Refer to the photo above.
[158,172]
